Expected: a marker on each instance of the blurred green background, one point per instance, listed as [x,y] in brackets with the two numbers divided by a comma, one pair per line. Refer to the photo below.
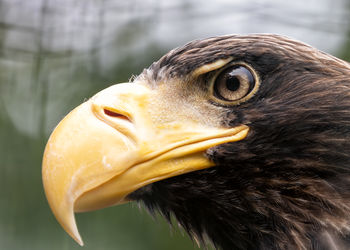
[54,54]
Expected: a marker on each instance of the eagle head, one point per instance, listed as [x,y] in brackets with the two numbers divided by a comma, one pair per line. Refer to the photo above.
[244,140]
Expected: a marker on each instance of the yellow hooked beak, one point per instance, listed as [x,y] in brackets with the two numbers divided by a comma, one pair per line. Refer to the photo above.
[120,140]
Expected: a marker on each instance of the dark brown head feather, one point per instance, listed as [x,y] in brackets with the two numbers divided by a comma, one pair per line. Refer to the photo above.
[182,61]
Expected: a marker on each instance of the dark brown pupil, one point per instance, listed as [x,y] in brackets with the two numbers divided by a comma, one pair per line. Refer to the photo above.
[232,83]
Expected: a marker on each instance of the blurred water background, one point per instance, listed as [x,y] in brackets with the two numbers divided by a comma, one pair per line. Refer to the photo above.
[54,54]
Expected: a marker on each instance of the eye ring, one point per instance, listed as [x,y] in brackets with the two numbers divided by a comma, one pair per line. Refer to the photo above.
[234,84]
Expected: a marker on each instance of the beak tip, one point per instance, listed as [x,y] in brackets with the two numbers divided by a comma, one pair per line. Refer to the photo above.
[76,236]
[77,239]
[80,242]
[67,220]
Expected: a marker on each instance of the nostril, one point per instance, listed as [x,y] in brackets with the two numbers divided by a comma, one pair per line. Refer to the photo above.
[115,114]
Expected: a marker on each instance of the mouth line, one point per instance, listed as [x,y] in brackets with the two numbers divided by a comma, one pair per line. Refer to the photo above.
[195,141]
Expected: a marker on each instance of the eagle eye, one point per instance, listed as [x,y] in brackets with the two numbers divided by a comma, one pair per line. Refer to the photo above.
[234,84]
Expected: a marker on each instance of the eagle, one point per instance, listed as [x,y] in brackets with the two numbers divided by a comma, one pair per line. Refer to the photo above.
[243,139]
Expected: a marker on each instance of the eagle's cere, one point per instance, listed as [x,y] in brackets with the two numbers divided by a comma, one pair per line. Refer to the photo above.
[245,140]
